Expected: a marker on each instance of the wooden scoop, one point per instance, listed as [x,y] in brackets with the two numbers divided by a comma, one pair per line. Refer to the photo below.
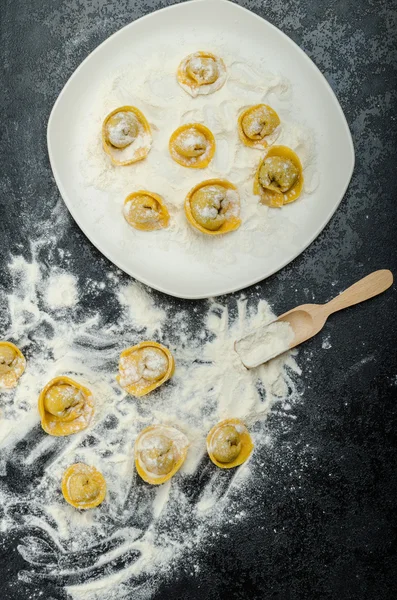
[303,322]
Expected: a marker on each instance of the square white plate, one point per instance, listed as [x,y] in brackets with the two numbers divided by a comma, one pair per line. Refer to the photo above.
[171,270]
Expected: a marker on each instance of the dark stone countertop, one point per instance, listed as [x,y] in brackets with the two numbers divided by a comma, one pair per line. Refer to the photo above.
[326,528]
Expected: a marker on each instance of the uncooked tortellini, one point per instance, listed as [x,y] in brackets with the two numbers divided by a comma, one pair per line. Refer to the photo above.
[201,73]
[213,207]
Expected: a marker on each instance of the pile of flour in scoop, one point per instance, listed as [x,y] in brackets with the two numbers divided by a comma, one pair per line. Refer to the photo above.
[141,533]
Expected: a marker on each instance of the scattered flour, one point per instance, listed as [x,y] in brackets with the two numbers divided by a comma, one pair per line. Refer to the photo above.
[140,533]
[326,344]
[62,291]
[140,308]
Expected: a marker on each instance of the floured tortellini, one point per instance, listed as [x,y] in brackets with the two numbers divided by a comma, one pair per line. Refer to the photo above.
[146,211]
[12,365]
[258,126]
[65,407]
[144,367]
[192,145]
[279,178]
[201,73]
[213,207]
[229,444]
[160,451]
[83,486]
[126,135]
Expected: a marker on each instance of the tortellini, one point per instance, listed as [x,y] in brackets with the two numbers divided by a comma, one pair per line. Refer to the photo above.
[126,135]
[65,407]
[160,451]
[146,211]
[229,444]
[192,145]
[258,126]
[279,178]
[144,367]
[201,73]
[12,365]
[83,486]
[213,207]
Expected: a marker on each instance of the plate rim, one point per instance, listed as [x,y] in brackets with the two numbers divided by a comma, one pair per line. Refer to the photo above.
[289,260]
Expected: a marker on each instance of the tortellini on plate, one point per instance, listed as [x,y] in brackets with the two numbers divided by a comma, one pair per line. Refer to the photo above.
[258,126]
[213,207]
[279,178]
[146,211]
[201,73]
[126,135]
[192,145]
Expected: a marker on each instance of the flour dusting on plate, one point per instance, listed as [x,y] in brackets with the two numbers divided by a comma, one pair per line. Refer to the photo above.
[155,91]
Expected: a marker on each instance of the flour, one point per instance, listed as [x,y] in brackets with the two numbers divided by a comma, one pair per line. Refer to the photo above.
[265,343]
[141,532]
[61,291]
[326,343]
[140,309]
[155,91]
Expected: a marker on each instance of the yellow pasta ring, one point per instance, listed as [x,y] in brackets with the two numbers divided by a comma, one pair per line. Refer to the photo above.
[277,199]
[81,468]
[9,380]
[229,225]
[187,82]
[246,444]
[111,151]
[133,388]
[54,425]
[261,143]
[165,216]
[201,162]
[144,474]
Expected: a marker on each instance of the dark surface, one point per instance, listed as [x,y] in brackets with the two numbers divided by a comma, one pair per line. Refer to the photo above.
[327,529]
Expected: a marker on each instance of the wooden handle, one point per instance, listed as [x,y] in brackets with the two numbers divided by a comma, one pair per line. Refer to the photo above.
[368,287]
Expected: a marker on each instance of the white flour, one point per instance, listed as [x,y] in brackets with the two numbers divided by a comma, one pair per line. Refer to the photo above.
[61,291]
[145,531]
[265,343]
[155,91]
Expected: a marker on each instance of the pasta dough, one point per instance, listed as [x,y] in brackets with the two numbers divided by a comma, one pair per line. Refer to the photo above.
[213,207]
[12,365]
[160,451]
[229,444]
[65,407]
[126,135]
[83,486]
[279,178]
[192,145]
[258,126]
[146,211]
[144,367]
[201,73]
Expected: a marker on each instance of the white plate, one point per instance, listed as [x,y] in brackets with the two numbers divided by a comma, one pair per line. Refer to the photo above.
[202,24]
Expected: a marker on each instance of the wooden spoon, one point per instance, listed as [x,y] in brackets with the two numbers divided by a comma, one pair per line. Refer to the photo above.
[303,322]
